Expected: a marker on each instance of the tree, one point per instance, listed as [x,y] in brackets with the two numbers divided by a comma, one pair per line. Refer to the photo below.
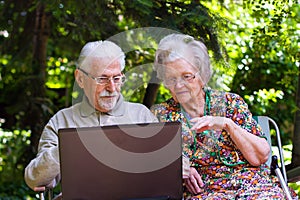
[271,51]
[296,136]
[26,98]
[37,30]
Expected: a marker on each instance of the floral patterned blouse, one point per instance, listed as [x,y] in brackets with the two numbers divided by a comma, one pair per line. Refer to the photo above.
[225,172]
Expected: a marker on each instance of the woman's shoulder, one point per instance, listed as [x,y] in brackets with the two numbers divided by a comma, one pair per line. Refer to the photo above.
[169,104]
[230,96]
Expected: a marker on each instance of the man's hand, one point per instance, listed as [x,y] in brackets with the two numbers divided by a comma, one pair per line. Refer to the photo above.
[39,189]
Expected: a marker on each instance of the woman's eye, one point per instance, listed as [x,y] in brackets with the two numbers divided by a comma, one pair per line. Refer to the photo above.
[187,76]
[170,81]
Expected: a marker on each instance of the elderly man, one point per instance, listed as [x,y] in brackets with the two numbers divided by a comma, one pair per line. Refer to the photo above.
[99,74]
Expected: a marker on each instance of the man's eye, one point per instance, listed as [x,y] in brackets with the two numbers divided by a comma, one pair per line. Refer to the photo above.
[117,78]
[103,79]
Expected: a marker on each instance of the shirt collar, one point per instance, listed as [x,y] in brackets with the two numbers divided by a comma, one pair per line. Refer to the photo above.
[86,109]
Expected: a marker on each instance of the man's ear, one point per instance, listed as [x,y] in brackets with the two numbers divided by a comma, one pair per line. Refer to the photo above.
[79,78]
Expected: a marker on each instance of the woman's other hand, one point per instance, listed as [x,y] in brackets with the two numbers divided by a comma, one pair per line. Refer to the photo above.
[194,181]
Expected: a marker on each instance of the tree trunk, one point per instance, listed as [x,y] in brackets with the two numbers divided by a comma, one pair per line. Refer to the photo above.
[151,91]
[40,39]
[296,136]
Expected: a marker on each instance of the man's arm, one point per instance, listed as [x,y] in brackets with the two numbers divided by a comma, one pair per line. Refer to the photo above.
[44,170]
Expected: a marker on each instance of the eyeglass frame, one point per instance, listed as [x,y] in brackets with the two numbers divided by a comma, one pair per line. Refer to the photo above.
[175,80]
[107,79]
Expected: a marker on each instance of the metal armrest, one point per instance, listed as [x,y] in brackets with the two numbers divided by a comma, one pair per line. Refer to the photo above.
[275,169]
[293,175]
[44,192]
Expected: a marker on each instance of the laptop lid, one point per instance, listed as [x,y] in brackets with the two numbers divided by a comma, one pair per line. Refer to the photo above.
[120,162]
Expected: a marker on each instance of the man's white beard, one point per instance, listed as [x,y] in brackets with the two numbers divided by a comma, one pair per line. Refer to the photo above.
[108,104]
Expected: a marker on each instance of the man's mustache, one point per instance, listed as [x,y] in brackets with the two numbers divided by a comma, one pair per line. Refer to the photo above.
[107,93]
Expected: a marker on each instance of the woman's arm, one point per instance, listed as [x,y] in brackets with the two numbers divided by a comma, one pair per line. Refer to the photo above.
[255,149]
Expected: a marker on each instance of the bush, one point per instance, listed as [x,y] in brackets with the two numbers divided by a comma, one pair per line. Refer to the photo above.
[12,148]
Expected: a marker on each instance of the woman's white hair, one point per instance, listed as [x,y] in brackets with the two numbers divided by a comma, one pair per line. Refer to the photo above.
[101,49]
[180,46]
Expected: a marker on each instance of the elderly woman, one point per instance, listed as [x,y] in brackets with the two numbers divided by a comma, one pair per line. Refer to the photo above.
[225,146]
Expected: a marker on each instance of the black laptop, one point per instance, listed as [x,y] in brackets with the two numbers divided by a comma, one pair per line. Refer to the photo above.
[122,162]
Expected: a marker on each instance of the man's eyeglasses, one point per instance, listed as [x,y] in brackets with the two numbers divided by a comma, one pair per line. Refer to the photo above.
[184,78]
[103,80]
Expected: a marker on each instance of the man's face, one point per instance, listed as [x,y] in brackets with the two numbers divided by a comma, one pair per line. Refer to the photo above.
[102,96]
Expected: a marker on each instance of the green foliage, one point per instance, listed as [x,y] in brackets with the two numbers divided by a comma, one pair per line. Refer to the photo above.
[12,148]
[296,187]
[261,100]
[189,17]
[266,53]
[60,80]
[163,94]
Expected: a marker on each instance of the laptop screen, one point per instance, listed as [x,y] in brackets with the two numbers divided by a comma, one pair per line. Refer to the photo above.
[138,161]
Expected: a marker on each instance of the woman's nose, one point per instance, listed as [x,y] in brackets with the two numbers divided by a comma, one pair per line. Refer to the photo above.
[179,83]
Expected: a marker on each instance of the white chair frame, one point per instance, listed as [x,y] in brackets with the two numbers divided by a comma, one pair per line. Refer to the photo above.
[264,122]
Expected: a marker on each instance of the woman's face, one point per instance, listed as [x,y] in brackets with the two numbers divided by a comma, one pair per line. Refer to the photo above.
[183,81]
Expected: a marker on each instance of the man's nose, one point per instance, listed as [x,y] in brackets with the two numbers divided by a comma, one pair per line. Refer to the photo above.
[111,86]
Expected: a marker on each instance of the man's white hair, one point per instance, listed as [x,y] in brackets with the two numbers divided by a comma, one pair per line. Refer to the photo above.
[101,49]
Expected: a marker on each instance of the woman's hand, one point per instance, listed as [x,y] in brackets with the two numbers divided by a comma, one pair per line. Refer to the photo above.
[208,122]
[194,181]
[255,149]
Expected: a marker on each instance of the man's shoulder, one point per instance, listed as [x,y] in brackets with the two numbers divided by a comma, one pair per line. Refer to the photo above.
[68,110]
[140,112]
[134,105]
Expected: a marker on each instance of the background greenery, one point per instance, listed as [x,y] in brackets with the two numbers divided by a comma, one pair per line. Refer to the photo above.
[254,46]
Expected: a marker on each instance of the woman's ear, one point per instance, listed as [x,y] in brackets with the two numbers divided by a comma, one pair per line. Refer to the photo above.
[79,78]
